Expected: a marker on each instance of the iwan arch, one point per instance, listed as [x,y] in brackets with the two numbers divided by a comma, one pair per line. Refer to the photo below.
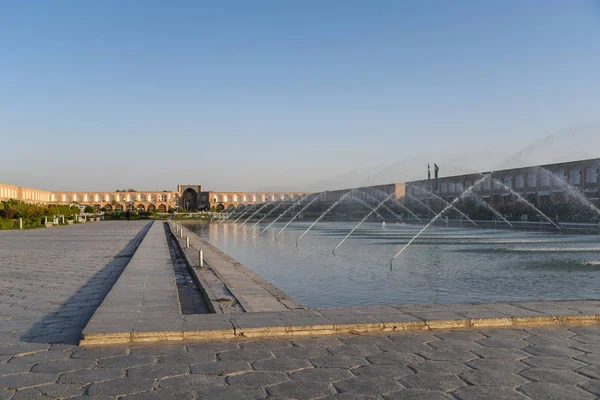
[188,197]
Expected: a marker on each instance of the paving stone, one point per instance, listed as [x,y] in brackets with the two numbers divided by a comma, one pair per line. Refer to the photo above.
[321,375]
[591,339]
[488,392]
[503,342]
[554,362]
[191,382]
[382,370]
[496,352]
[417,394]
[354,350]
[212,347]
[554,391]
[327,341]
[91,375]
[156,350]
[301,353]
[281,364]
[120,387]
[153,372]
[222,367]
[554,351]
[368,386]
[432,381]
[592,371]
[560,376]
[245,355]
[453,345]
[58,390]
[491,377]
[590,358]
[501,364]
[64,365]
[441,367]
[349,396]
[126,361]
[95,353]
[467,336]
[231,392]
[395,358]
[188,358]
[265,344]
[592,386]
[448,355]
[338,362]
[14,368]
[31,393]
[160,394]
[26,380]
[258,378]
[6,394]
[299,390]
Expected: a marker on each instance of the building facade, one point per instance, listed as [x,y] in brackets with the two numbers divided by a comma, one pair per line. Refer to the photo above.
[551,183]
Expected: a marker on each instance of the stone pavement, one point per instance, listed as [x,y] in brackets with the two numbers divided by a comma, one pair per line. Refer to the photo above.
[52,281]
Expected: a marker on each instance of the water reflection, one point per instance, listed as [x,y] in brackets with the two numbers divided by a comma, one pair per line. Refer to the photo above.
[443,265]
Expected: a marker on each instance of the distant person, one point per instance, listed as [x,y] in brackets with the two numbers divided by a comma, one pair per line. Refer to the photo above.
[128,215]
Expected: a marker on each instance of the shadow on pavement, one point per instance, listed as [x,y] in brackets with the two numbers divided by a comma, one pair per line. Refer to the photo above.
[66,324]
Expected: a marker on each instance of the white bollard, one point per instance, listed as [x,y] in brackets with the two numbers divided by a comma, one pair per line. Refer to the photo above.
[20,223]
[181,233]
[187,242]
[201,258]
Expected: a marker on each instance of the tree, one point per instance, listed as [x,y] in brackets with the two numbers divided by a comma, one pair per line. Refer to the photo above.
[89,209]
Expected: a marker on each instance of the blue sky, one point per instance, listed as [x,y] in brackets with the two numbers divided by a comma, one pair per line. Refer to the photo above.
[280,94]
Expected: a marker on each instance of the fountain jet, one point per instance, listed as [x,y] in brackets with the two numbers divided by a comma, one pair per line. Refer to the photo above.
[325,213]
[521,198]
[452,206]
[424,205]
[366,205]
[383,205]
[266,215]
[496,213]
[244,211]
[301,211]
[374,210]
[283,213]
[401,206]
[256,212]
[573,191]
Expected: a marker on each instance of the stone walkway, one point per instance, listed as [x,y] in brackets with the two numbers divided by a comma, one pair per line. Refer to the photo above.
[52,280]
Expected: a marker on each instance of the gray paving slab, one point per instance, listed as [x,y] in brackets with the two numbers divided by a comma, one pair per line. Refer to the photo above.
[560,362]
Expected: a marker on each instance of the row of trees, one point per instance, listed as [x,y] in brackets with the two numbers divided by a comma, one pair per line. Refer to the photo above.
[32,214]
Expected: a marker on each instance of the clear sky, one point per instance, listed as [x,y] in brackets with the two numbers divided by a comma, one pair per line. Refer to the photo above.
[244,95]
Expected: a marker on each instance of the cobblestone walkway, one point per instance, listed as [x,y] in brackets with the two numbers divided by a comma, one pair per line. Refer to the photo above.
[52,280]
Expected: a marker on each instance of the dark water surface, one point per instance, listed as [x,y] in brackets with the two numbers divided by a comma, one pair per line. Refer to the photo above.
[444,265]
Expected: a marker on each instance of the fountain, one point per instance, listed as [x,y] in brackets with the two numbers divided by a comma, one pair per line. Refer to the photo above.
[573,191]
[244,211]
[496,212]
[301,211]
[361,221]
[522,199]
[402,206]
[325,213]
[366,205]
[452,206]
[256,212]
[424,205]
[283,213]
[399,218]
[266,215]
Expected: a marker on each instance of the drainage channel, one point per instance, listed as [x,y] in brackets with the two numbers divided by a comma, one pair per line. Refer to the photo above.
[190,297]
